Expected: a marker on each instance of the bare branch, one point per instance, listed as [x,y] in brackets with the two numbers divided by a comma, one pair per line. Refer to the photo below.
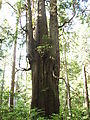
[23,69]
[67,22]
[74,13]
[68,85]
[11,6]
[22,27]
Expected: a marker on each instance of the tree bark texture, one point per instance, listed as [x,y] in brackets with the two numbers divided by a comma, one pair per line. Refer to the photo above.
[45,93]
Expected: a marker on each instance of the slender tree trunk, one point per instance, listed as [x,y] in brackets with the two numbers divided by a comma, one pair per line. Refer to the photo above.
[45,93]
[68,98]
[2,84]
[13,78]
[13,69]
[2,90]
[26,59]
[17,90]
[86,89]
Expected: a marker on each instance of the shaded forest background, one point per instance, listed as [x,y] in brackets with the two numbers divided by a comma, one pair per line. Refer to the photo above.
[16,69]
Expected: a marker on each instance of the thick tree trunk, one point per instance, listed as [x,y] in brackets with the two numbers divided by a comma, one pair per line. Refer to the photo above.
[45,93]
[86,89]
[55,49]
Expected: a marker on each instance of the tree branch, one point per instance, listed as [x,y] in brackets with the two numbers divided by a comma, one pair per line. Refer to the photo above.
[68,85]
[22,27]
[67,21]
[11,6]
[74,13]
[23,69]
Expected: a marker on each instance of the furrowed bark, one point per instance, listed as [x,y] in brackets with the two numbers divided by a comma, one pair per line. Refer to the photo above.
[45,93]
[55,48]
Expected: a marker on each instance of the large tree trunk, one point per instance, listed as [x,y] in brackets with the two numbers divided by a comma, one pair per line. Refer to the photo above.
[45,93]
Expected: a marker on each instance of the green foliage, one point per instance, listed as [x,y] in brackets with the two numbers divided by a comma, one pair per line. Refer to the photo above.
[73,69]
[6,38]
[63,5]
[36,114]
[20,112]
[55,117]
[45,46]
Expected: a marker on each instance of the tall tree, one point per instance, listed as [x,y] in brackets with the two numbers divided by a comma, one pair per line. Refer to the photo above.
[2,83]
[68,98]
[2,89]
[13,67]
[43,54]
[86,89]
[54,53]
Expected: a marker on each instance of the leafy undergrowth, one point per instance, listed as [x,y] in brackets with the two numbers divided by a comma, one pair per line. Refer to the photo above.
[22,112]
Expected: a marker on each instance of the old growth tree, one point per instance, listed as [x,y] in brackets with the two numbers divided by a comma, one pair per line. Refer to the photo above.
[43,55]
